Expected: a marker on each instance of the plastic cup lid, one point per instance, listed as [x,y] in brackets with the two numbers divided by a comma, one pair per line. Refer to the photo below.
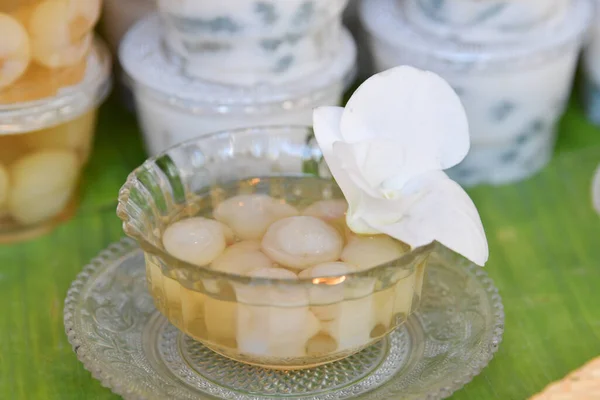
[386,20]
[68,103]
[145,62]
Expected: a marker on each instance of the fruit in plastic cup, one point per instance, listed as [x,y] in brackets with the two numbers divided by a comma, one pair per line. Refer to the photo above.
[513,93]
[44,146]
[244,42]
[45,46]
[237,306]
[173,107]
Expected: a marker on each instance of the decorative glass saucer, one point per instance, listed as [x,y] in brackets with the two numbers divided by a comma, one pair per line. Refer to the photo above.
[131,348]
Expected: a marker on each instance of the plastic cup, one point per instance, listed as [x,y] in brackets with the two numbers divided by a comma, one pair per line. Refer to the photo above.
[172,107]
[473,21]
[514,92]
[44,146]
[47,43]
[244,42]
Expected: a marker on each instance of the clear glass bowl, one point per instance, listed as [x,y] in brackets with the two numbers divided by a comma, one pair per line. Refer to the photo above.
[265,322]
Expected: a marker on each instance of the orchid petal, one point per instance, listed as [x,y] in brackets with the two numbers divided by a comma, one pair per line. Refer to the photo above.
[387,150]
[326,126]
[433,208]
[349,158]
[388,165]
[417,110]
[358,211]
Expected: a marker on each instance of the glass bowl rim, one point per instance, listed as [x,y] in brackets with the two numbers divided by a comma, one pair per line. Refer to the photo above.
[149,248]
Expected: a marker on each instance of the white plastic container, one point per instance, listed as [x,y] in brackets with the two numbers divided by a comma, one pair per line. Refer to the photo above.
[591,66]
[173,107]
[247,42]
[492,21]
[513,92]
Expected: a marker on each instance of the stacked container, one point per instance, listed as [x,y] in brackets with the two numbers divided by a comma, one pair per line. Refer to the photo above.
[591,67]
[511,61]
[53,75]
[201,67]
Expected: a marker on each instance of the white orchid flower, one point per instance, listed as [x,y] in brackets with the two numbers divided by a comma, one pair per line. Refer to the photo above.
[387,151]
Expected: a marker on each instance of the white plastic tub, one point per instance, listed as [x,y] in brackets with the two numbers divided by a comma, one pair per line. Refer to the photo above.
[514,93]
[476,20]
[245,42]
[173,107]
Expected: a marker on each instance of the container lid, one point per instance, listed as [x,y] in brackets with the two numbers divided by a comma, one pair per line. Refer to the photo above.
[387,21]
[68,103]
[147,65]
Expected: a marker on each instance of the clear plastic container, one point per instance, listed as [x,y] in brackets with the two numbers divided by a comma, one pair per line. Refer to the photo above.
[173,107]
[245,42]
[508,160]
[514,93]
[281,323]
[591,67]
[477,21]
[44,47]
[44,146]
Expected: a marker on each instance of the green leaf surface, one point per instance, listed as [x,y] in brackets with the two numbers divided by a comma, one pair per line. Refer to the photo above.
[545,259]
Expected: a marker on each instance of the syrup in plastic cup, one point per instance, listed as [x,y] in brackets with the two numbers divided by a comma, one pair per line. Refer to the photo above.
[44,146]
